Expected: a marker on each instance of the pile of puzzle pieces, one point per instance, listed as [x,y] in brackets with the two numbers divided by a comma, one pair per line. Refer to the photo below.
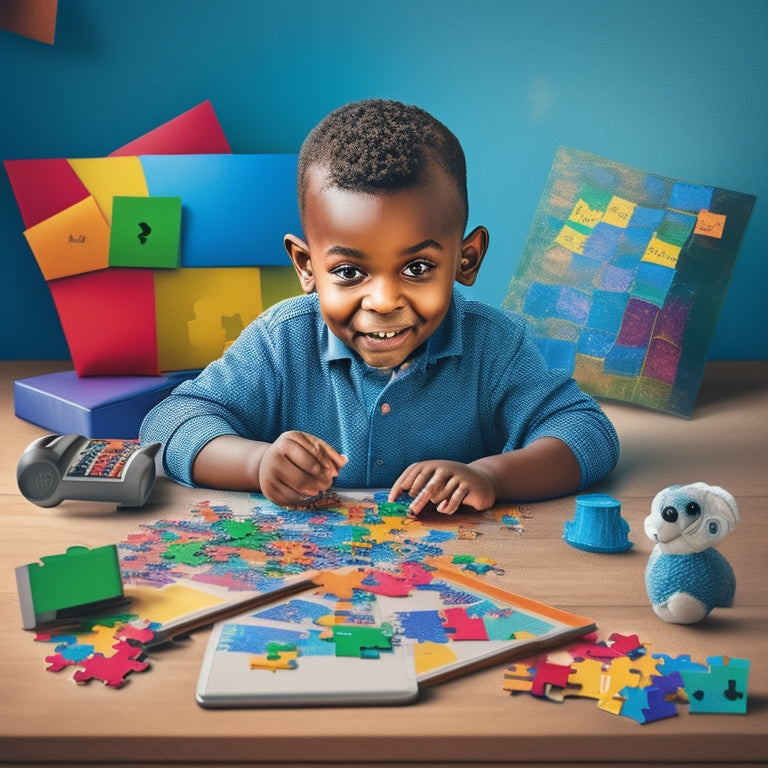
[627,679]
[106,650]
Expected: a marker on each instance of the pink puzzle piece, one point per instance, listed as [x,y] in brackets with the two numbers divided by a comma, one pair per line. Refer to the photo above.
[549,674]
[113,669]
[461,626]
[57,662]
[388,584]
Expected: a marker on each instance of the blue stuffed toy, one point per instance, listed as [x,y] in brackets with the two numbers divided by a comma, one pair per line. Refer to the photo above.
[686,578]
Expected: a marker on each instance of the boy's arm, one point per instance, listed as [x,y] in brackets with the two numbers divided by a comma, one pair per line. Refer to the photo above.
[543,469]
[296,466]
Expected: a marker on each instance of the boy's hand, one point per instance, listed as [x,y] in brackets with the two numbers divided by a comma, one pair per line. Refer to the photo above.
[446,484]
[296,466]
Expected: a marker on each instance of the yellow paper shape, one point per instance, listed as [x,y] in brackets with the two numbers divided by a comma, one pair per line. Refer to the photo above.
[169,603]
[108,177]
[199,312]
[710,224]
[585,215]
[619,212]
[571,239]
[71,242]
[659,252]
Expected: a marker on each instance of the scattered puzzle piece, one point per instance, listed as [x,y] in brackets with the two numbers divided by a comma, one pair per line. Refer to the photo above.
[341,585]
[57,662]
[644,705]
[549,674]
[637,684]
[112,670]
[518,677]
[722,689]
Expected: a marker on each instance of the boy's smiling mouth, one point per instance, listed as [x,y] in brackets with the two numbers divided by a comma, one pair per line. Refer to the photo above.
[383,334]
[383,341]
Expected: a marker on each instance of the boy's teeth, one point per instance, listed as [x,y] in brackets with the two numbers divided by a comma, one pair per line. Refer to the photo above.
[384,334]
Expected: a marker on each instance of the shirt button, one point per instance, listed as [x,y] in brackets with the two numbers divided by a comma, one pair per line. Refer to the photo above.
[380,462]
[385,408]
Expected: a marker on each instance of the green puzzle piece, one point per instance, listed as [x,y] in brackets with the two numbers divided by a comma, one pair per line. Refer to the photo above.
[145,232]
[365,642]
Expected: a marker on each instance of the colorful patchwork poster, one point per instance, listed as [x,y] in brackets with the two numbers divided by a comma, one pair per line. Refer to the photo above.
[623,277]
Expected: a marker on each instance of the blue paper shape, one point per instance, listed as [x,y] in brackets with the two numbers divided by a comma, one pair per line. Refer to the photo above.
[236,208]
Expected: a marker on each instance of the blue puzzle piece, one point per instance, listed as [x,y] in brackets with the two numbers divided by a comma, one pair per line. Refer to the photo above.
[423,626]
[644,705]
[680,663]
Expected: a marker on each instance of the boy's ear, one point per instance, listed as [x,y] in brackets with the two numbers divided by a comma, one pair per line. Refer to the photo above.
[298,250]
[473,249]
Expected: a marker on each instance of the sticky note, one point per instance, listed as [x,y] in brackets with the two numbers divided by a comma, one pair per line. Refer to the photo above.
[585,215]
[661,252]
[71,242]
[146,232]
[710,224]
[619,212]
[572,239]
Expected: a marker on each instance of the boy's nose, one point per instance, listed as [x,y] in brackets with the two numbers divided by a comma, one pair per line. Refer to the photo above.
[382,297]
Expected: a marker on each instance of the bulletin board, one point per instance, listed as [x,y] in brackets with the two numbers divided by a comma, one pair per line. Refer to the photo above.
[623,277]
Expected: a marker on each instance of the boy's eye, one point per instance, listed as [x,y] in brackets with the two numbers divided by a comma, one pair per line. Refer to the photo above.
[347,273]
[418,269]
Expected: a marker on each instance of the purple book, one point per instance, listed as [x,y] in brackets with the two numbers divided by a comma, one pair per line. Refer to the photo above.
[92,406]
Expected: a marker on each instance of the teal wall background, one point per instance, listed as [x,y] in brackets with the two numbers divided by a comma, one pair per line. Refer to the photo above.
[676,87]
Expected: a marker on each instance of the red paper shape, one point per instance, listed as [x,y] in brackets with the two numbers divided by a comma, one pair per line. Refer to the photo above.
[43,188]
[109,321]
[195,132]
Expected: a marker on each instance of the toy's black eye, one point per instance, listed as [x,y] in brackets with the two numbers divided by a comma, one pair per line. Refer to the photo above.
[714,527]
[669,514]
[692,509]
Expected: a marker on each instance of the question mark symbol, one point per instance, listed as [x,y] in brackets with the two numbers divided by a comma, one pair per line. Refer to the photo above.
[145,230]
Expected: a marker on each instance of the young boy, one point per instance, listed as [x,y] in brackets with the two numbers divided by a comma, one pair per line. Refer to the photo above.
[383,375]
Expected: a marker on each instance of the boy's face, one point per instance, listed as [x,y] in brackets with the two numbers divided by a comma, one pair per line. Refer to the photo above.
[384,265]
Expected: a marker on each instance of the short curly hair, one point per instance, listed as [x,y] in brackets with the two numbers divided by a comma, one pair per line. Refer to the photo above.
[378,145]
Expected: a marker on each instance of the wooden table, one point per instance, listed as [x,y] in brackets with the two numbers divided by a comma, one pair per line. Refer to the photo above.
[46,718]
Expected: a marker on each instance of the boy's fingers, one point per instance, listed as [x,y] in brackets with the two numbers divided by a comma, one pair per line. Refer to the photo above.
[451,505]
[324,459]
